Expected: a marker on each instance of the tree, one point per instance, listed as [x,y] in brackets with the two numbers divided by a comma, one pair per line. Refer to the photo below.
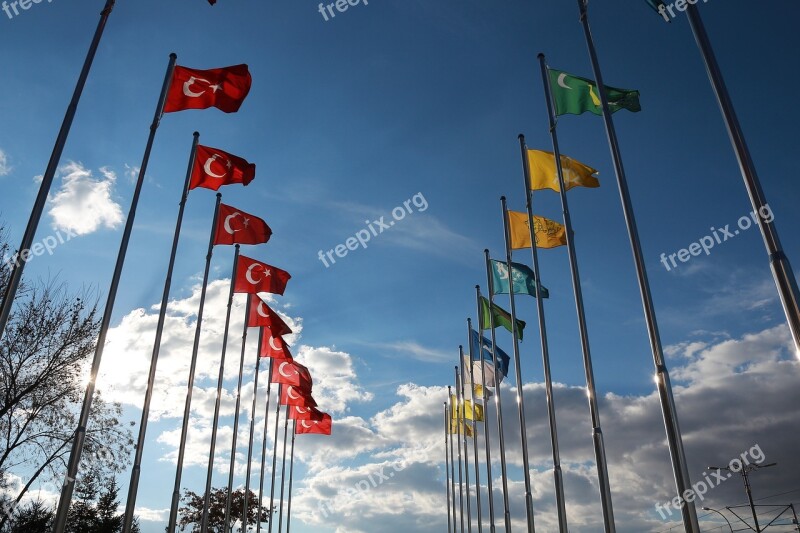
[43,354]
[36,517]
[191,511]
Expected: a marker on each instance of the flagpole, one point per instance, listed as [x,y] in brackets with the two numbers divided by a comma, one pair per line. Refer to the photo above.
[136,470]
[291,479]
[485,417]
[462,420]
[452,479]
[252,431]
[236,415]
[447,471]
[551,412]
[475,424]
[60,521]
[214,427]
[453,416]
[459,426]
[781,269]
[283,469]
[50,172]
[176,492]
[597,432]
[274,459]
[264,447]
[520,398]
[498,402]
[675,442]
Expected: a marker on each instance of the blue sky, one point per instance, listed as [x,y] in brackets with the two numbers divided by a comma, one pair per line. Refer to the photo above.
[349,118]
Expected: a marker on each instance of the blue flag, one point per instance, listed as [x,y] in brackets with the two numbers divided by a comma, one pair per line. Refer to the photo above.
[522,278]
[503,359]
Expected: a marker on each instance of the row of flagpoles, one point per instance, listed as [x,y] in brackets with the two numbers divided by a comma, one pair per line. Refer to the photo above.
[211,168]
[568,94]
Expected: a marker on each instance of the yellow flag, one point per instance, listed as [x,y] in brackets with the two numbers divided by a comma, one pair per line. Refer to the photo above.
[542,167]
[468,410]
[549,233]
[466,429]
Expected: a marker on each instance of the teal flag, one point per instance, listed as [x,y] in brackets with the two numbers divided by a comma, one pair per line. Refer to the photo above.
[522,278]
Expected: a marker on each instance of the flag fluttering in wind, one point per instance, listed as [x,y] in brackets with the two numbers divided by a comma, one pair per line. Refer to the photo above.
[254,276]
[290,372]
[214,168]
[320,427]
[575,95]
[297,412]
[234,226]
[274,347]
[478,391]
[223,88]
[501,318]
[549,233]
[262,315]
[465,429]
[523,280]
[543,173]
[503,359]
[297,397]
[467,410]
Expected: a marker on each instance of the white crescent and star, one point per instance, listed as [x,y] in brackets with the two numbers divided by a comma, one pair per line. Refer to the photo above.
[561,83]
[300,410]
[292,395]
[272,344]
[305,424]
[249,274]
[207,167]
[281,367]
[228,227]
[261,312]
[187,87]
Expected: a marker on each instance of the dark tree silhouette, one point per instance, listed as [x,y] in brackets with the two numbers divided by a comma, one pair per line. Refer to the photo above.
[191,511]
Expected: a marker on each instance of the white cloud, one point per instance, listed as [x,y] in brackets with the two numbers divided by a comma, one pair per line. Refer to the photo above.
[5,167]
[84,203]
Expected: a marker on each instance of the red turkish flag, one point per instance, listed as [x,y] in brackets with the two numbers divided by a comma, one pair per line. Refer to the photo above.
[305,413]
[234,226]
[214,168]
[296,396]
[320,427]
[274,347]
[290,372]
[223,88]
[254,276]
[261,315]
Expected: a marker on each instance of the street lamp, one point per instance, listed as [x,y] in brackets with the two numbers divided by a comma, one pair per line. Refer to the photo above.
[744,470]
[722,515]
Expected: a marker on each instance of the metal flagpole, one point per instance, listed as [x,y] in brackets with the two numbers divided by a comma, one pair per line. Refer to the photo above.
[548,379]
[236,415]
[597,432]
[459,426]
[283,469]
[518,371]
[252,431]
[60,521]
[23,253]
[274,459]
[498,402]
[291,478]
[781,269]
[679,465]
[456,515]
[210,472]
[264,449]
[173,511]
[475,423]
[462,419]
[485,405]
[448,416]
[162,315]
[447,471]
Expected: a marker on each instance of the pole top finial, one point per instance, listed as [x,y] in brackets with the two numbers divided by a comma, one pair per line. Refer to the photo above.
[521,137]
[486,251]
[196,134]
[173,55]
[219,195]
[502,198]
[540,55]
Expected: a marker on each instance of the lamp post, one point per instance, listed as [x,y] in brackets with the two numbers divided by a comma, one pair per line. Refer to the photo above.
[722,515]
[745,470]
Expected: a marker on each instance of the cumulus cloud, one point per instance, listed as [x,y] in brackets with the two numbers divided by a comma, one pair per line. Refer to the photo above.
[84,203]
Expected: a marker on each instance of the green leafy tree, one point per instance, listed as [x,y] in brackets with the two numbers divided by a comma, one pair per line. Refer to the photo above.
[191,510]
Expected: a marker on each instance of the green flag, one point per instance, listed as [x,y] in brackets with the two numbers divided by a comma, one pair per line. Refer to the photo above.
[522,278]
[501,318]
[574,95]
